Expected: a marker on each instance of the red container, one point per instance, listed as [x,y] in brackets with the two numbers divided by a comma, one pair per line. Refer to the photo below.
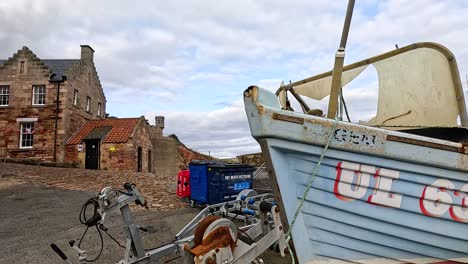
[183,183]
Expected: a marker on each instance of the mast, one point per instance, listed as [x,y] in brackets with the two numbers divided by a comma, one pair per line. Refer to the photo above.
[339,61]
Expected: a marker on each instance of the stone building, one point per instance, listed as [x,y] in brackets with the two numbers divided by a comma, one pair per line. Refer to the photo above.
[43,102]
[112,144]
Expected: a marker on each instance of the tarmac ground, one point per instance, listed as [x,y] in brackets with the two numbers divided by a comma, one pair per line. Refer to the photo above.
[34,215]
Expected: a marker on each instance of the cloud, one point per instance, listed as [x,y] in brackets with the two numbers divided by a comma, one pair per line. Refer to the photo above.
[222,133]
[191,60]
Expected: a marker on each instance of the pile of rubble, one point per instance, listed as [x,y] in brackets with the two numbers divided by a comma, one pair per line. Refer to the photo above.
[159,191]
[185,155]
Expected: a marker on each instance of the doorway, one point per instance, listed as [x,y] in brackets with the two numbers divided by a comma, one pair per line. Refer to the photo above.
[150,162]
[139,159]
[92,154]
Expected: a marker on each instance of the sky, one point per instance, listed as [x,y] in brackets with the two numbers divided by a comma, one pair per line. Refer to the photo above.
[190,61]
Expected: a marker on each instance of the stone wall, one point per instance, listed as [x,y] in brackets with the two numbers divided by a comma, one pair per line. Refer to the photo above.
[119,156]
[165,156]
[254,159]
[82,76]
[141,138]
[20,106]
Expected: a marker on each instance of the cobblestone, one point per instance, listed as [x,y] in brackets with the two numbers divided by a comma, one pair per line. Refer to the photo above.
[159,191]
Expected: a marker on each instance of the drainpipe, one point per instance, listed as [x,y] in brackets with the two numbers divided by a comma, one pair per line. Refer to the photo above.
[57,106]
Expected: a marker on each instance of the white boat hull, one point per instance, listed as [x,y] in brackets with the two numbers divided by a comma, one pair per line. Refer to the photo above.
[379,196]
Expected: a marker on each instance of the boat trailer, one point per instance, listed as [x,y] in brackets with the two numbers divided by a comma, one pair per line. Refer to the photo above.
[212,237]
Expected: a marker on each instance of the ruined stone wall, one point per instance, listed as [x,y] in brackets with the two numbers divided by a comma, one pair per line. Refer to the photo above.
[21,80]
[254,159]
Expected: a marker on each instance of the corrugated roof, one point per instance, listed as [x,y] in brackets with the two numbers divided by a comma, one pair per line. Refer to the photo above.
[120,132]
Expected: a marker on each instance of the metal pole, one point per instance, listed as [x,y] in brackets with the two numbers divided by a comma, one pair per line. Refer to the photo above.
[339,61]
[304,106]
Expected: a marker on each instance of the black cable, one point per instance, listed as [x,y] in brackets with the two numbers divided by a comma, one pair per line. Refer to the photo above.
[172,259]
[102,247]
[89,222]
[345,108]
[81,239]
[234,218]
[245,233]
[82,217]
[115,240]
[126,193]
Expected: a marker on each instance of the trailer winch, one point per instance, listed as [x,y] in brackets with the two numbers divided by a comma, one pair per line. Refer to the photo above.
[231,232]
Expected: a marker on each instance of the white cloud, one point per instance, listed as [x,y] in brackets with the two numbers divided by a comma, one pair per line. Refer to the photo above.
[223,133]
[170,55]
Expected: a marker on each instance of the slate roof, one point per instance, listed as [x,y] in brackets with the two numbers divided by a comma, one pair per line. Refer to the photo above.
[98,133]
[120,130]
[59,66]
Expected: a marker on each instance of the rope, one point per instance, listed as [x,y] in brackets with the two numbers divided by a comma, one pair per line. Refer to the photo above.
[309,186]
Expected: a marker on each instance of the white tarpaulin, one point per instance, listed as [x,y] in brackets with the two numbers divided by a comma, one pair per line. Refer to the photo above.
[415,89]
[320,88]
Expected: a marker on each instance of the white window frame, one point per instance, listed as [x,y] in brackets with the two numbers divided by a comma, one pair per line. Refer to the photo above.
[4,93]
[75,97]
[38,93]
[23,133]
[88,104]
[99,106]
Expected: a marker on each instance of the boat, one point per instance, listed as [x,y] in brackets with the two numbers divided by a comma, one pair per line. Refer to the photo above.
[393,189]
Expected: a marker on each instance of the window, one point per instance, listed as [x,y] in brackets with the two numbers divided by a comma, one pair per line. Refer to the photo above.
[22,67]
[88,103]
[4,95]
[39,92]
[75,97]
[26,135]
[99,109]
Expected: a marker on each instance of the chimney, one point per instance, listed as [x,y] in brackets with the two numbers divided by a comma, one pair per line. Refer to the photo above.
[159,120]
[87,53]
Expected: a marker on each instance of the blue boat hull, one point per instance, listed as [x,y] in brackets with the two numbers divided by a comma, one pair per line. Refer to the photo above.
[379,196]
